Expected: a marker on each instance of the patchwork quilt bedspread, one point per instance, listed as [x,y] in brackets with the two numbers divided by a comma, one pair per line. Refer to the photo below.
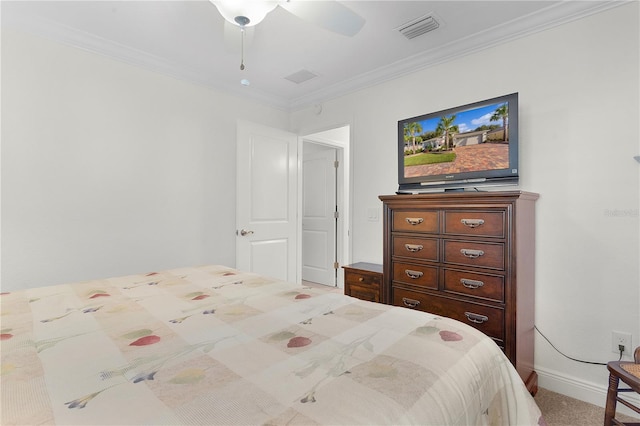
[212,345]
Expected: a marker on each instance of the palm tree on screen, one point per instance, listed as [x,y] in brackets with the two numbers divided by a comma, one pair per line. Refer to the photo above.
[446,127]
[410,131]
[502,113]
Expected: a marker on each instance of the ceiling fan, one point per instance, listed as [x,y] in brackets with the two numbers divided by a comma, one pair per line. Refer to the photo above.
[328,14]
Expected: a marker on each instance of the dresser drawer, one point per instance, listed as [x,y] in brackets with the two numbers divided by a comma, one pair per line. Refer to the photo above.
[362,279]
[474,222]
[489,320]
[416,248]
[416,221]
[371,294]
[485,286]
[483,255]
[420,275]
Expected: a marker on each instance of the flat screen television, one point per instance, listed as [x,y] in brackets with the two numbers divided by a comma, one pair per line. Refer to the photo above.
[468,146]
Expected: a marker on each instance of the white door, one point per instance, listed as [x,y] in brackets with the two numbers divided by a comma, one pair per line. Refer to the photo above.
[319,208]
[266,224]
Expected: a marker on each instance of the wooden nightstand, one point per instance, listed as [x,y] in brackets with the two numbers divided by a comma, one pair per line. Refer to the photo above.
[364,281]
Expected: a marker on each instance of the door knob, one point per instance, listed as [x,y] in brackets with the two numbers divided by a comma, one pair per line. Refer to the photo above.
[245,232]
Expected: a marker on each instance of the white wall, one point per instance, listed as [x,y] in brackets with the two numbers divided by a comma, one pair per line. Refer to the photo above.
[108,169]
[578,90]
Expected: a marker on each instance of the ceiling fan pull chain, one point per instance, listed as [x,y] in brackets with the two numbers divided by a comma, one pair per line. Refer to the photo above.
[242,50]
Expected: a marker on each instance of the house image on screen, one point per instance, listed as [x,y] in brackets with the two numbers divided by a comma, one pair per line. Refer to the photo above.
[478,137]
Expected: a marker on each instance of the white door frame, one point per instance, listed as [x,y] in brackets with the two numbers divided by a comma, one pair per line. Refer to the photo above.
[343,194]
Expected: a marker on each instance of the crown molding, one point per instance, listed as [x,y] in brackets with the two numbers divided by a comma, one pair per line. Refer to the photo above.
[554,15]
[57,32]
[551,16]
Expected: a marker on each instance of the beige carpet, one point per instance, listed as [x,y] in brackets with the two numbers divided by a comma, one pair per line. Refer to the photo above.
[561,410]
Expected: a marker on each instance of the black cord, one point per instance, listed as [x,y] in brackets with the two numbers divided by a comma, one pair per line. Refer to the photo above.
[566,356]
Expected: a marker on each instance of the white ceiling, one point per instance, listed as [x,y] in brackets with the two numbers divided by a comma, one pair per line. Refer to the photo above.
[186,39]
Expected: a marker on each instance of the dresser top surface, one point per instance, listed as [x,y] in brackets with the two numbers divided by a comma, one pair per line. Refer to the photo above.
[365,266]
[463,195]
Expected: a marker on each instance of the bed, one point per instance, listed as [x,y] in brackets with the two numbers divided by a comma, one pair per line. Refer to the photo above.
[214,345]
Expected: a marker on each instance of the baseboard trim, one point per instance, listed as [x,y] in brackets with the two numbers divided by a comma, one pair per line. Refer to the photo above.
[579,389]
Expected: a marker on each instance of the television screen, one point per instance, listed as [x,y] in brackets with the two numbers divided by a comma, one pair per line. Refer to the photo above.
[467,146]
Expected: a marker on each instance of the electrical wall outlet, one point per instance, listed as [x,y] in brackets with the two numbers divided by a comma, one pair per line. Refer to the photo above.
[619,338]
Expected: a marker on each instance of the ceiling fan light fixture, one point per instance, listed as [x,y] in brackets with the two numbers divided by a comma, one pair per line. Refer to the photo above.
[244,13]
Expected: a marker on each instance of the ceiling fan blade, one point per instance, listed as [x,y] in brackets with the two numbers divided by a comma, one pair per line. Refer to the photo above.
[330,15]
[233,37]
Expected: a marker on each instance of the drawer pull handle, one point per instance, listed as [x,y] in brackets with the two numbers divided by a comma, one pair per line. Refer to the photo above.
[414,275]
[414,220]
[472,284]
[413,247]
[472,223]
[471,254]
[361,279]
[410,303]
[476,318]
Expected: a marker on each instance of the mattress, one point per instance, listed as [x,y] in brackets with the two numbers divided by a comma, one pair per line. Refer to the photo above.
[213,345]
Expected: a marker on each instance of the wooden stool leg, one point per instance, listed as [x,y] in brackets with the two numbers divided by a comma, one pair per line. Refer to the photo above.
[612,394]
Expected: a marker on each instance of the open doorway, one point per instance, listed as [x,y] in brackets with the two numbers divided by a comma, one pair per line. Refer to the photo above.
[324,232]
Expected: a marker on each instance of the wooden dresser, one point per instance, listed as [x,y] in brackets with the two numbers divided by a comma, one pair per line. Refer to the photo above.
[468,256]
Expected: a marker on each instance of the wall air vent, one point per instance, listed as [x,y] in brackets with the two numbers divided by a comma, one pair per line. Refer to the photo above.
[419,26]
[300,76]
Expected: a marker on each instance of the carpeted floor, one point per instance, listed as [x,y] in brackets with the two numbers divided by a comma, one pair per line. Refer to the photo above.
[561,410]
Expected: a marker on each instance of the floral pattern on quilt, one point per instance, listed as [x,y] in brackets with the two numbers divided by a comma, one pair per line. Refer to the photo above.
[212,345]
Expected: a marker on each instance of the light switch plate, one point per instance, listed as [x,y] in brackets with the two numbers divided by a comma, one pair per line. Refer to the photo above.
[372,214]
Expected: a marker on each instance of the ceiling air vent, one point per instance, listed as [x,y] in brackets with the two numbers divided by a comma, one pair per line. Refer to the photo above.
[417,27]
[300,76]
